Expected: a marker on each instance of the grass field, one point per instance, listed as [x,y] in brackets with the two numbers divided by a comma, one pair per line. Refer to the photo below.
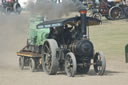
[111,38]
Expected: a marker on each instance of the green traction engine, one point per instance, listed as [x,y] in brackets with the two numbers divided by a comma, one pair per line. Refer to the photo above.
[30,55]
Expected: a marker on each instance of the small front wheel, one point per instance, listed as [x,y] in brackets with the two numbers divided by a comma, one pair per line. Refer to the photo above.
[32,64]
[99,63]
[70,64]
[21,62]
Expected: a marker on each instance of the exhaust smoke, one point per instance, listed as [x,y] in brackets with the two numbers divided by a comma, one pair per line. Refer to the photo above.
[13,35]
[52,10]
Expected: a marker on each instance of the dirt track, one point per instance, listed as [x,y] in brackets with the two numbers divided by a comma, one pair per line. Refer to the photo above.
[10,74]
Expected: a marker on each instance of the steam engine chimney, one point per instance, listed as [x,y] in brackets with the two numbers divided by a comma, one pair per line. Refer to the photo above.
[83,12]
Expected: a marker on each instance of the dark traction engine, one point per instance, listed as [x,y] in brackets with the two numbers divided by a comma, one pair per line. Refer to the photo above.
[11,6]
[68,47]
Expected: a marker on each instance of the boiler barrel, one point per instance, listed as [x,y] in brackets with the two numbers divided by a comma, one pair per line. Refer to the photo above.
[82,48]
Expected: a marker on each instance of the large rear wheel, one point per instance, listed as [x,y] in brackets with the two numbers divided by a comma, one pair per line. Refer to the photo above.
[115,13]
[17,8]
[49,60]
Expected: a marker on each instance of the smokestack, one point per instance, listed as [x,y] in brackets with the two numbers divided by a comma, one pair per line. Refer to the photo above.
[83,12]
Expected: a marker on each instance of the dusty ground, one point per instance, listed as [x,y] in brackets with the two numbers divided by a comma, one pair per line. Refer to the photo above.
[13,37]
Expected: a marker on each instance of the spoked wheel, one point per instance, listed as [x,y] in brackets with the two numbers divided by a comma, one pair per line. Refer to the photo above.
[100,63]
[32,64]
[50,62]
[115,13]
[7,10]
[21,62]
[97,16]
[70,64]
[126,11]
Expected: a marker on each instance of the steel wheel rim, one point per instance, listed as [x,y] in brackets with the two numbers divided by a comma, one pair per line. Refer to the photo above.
[115,13]
[99,63]
[98,67]
[70,64]
[32,65]
[21,62]
[47,58]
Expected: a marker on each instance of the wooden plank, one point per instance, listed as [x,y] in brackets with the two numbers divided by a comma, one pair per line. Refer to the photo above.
[28,54]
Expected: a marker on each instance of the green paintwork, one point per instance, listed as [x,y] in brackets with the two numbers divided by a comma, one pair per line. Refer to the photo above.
[36,36]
